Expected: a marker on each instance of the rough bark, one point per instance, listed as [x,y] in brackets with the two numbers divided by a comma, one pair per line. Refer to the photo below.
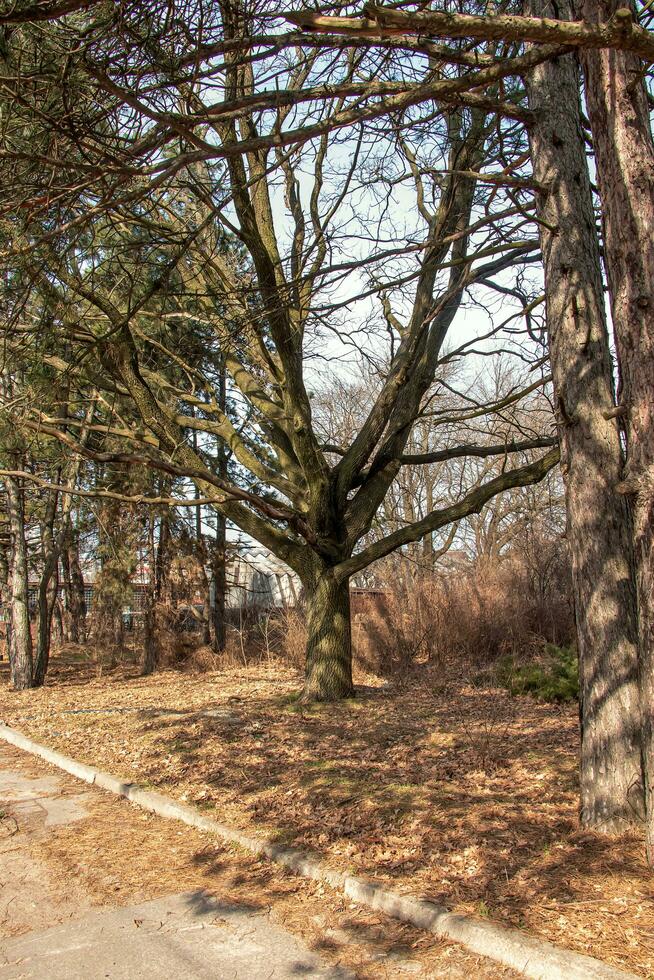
[150,643]
[48,588]
[161,556]
[624,153]
[218,586]
[20,642]
[4,585]
[78,608]
[206,605]
[328,674]
[67,598]
[219,551]
[72,580]
[599,528]
[57,624]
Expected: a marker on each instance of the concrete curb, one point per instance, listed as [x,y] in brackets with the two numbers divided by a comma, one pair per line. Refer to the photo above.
[532,957]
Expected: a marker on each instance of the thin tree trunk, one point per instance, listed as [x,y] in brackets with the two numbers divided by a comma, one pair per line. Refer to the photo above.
[4,587]
[48,587]
[201,552]
[20,644]
[206,609]
[219,587]
[329,643]
[219,555]
[74,618]
[599,528]
[53,544]
[624,154]
[78,609]
[67,590]
[161,557]
[57,624]
[150,643]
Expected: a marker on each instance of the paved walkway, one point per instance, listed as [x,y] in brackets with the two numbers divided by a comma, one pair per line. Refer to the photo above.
[183,936]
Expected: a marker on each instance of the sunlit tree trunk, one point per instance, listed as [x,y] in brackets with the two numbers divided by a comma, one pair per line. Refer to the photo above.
[47,595]
[219,587]
[328,674]
[150,647]
[4,587]
[20,643]
[150,660]
[624,153]
[218,604]
[599,528]
[78,610]
[74,618]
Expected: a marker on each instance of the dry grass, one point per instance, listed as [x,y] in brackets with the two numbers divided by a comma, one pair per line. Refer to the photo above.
[488,610]
[460,794]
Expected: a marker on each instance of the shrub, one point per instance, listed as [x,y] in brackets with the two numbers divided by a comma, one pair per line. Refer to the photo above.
[556,678]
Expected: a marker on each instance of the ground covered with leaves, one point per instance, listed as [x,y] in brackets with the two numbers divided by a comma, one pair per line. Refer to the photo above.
[455,792]
[119,855]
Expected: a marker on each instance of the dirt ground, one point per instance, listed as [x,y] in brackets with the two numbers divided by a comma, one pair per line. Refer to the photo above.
[456,793]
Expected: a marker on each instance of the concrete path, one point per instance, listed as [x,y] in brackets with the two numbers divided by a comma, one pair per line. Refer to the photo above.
[185,936]
[182,936]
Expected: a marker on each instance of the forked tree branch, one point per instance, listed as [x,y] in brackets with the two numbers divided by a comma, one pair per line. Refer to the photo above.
[472,503]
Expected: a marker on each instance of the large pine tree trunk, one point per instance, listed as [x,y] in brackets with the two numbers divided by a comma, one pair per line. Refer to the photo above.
[329,642]
[599,528]
[624,154]
[20,641]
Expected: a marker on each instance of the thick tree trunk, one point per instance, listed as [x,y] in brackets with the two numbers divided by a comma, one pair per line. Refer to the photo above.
[20,642]
[329,643]
[624,154]
[599,528]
